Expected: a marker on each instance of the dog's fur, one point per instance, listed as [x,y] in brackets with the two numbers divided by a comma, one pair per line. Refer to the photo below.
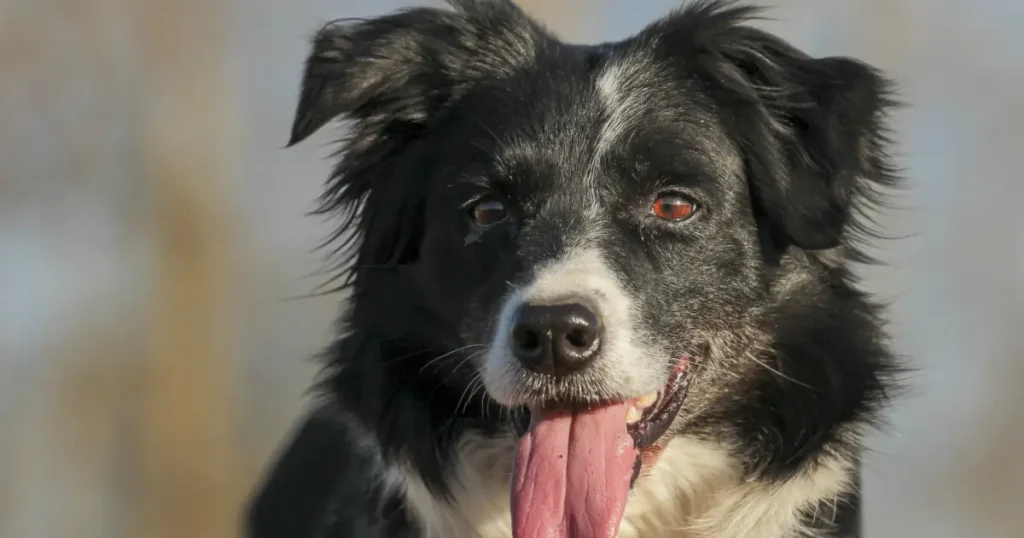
[781,152]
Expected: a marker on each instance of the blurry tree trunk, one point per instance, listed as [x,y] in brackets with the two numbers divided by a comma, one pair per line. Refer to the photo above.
[190,484]
[66,109]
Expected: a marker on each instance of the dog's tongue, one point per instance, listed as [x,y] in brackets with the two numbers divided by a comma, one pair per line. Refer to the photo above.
[572,474]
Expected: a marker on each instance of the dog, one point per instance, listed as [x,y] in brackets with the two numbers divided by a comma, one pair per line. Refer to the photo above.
[596,290]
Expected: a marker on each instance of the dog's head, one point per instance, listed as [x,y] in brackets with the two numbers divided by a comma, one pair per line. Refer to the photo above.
[579,225]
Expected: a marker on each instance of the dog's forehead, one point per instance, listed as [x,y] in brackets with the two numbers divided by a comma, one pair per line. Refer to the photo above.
[577,110]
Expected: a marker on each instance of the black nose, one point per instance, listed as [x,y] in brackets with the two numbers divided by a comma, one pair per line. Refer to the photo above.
[556,339]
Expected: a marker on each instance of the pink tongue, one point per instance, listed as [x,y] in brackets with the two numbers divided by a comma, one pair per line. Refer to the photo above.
[572,475]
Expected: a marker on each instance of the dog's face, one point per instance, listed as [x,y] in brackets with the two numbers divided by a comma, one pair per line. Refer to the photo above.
[576,225]
[598,206]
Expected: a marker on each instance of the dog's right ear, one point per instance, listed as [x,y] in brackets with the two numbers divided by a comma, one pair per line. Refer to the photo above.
[407,66]
[391,77]
[373,68]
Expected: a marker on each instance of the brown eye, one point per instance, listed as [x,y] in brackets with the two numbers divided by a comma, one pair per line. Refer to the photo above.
[488,213]
[673,207]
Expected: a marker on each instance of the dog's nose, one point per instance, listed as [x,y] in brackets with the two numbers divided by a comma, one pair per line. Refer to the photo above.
[555,339]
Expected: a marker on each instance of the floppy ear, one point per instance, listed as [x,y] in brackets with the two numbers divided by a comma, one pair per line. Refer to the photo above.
[407,66]
[392,77]
[379,70]
[812,129]
[821,145]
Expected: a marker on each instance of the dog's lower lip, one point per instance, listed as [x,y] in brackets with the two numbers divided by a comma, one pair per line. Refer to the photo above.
[658,417]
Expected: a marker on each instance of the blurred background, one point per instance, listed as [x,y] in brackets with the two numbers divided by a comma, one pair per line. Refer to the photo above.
[154,348]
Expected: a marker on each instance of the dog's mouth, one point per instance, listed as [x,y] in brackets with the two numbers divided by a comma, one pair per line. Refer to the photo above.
[647,417]
[650,416]
[575,467]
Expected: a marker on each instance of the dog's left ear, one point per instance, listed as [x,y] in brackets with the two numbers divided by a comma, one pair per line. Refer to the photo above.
[812,130]
[824,117]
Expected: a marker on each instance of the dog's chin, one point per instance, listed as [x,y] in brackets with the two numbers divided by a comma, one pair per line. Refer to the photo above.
[648,417]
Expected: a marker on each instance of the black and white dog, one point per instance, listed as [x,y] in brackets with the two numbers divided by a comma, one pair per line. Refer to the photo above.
[597,290]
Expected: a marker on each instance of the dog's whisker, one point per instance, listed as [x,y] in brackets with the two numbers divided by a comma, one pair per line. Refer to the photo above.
[469,385]
[778,373]
[456,368]
[448,354]
[475,384]
[480,389]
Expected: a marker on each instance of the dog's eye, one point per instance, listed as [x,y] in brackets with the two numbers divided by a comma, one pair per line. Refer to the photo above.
[673,207]
[488,212]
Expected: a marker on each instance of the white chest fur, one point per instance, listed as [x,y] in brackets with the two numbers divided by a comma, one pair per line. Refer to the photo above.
[695,491]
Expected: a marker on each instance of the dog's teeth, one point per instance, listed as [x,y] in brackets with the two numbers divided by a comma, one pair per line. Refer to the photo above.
[647,400]
[632,415]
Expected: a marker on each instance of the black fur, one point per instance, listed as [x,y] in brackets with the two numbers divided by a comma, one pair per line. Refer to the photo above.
[783,153]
